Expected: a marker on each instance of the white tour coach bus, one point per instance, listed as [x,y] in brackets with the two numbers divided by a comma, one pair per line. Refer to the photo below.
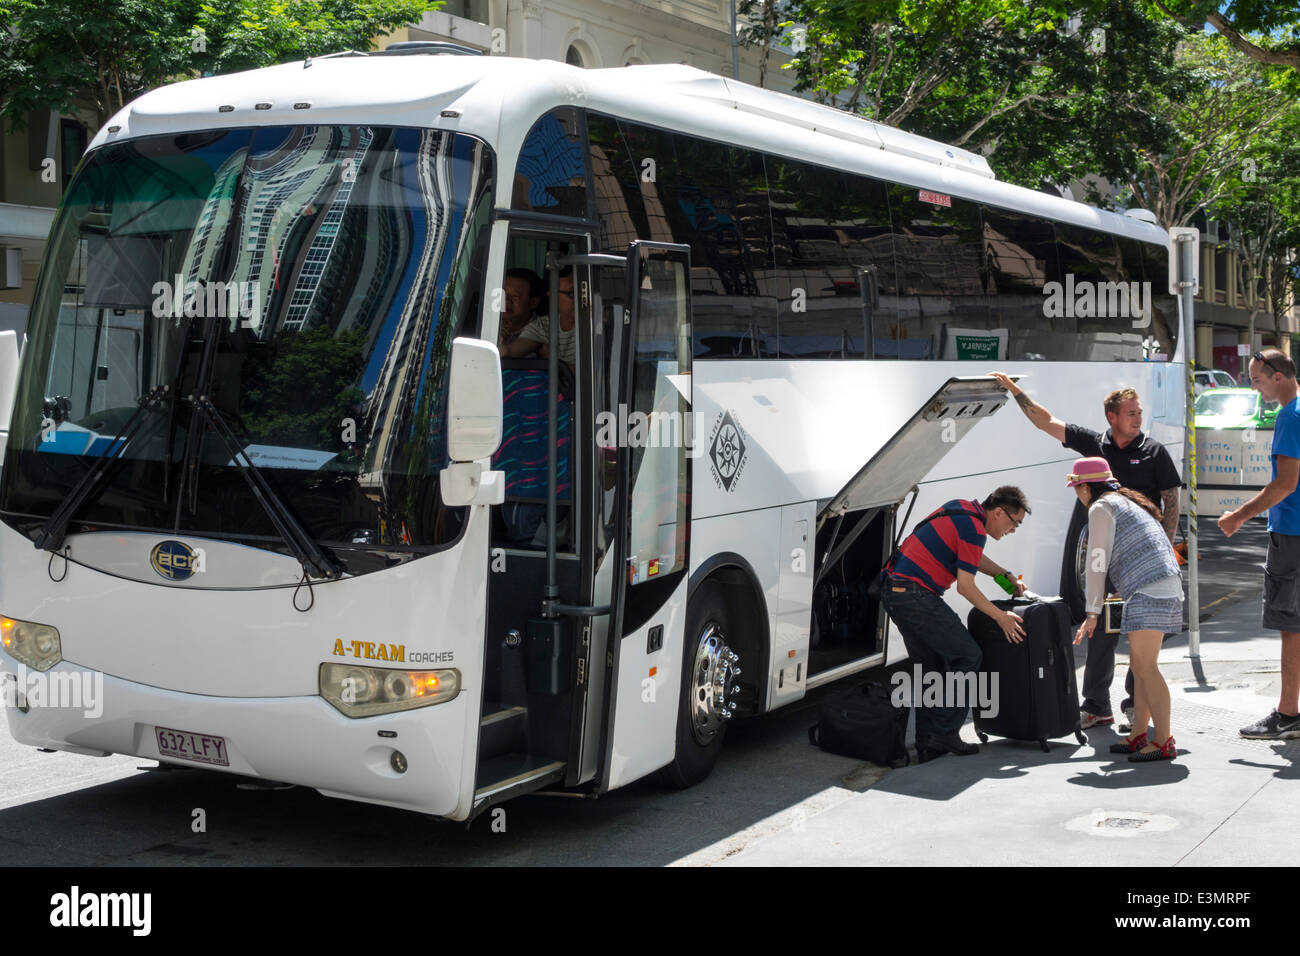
[269,479]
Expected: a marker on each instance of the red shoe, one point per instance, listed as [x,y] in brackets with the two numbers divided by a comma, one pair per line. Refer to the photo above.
[1167,751]
[1129,746]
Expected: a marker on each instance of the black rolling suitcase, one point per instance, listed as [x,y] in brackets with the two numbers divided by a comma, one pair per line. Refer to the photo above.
[1037,695]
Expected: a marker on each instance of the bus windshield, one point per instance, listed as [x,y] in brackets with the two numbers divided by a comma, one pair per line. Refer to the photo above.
[308,282]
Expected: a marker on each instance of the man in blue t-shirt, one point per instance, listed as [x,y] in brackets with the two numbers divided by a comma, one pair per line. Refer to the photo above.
[1273,373]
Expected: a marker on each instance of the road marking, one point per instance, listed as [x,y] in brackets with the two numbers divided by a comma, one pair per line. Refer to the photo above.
[1230,594]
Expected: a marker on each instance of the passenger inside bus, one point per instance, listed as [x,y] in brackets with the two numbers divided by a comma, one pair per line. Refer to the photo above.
[535,336]
[524,295]
[523,453]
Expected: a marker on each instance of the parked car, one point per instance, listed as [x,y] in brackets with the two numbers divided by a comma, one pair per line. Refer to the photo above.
[1234,408]
[1213,378]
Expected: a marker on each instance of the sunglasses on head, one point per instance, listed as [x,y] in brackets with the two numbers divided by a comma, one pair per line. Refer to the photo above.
[1259,357]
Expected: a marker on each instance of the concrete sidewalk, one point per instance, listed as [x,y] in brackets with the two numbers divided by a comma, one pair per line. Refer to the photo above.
[1223,801]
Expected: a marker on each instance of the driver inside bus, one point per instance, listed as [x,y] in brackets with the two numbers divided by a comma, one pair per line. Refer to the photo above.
[536,335]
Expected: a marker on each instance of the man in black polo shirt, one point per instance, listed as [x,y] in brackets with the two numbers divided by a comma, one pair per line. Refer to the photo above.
[1138,462]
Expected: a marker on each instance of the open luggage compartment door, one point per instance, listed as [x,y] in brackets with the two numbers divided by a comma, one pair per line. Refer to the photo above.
[856,528]
[935,429]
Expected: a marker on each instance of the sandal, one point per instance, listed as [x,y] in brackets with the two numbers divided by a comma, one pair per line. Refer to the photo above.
[1166,752]
[1130,746]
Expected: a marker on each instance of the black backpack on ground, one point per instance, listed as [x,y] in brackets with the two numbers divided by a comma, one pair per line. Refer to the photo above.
[862,722]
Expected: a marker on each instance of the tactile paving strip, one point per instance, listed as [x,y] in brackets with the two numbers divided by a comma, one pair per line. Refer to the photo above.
[1197,721]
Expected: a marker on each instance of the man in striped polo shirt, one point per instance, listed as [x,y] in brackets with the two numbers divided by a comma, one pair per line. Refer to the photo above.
[948,546]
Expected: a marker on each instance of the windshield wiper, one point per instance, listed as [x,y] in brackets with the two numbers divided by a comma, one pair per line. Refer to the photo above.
[91,484]
[302,544]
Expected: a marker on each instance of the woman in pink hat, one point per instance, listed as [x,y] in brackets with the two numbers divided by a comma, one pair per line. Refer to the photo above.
[1126,541]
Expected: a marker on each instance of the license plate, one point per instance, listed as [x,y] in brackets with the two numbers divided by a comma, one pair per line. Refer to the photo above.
[203,748]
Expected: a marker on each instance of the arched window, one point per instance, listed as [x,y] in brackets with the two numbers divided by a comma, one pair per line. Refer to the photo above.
[574,57]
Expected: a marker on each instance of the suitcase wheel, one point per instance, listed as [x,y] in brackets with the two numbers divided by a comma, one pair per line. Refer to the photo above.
[984,738]
[1080,736]
[1042,742]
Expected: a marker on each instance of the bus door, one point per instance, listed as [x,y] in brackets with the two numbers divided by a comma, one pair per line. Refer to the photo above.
[857,527]
[652,514]
[539,584]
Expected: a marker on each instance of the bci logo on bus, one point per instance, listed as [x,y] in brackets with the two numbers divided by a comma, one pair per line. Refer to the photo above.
[176,560]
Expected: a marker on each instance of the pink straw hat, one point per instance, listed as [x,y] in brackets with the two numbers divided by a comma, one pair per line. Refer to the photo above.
[1090,470]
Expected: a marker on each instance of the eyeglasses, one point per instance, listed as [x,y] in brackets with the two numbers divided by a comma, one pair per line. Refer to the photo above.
[1014,523]
[1259,357]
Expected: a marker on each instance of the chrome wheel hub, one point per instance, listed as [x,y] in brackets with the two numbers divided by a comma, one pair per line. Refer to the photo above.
[713,684]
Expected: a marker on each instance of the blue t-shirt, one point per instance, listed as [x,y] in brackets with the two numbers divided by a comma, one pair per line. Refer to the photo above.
[1284,517]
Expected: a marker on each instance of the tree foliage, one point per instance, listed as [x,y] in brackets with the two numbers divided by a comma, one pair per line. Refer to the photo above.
[1264,30]
[1215,132]
[111,51]
[1039,88]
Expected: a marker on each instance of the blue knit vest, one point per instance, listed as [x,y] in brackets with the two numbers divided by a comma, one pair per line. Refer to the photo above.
[1142,552]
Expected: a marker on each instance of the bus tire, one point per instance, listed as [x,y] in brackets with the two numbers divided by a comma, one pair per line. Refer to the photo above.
[1073,559]
[705,705]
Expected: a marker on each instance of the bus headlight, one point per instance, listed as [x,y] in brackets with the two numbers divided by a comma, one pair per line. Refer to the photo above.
[367,691]
[36,645]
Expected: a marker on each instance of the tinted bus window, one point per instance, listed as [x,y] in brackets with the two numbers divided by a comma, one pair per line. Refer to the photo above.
[817,263]
[939,249]
[1160,341]
[687,184]
[551,175]
[1022,259]
[1100,311]
[616,182]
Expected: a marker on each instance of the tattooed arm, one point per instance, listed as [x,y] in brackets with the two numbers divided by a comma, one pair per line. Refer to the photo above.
[1169,512]
[1041,417]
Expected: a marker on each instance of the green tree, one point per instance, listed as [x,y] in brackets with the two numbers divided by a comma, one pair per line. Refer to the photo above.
[1040,88]
[1264,30]
[1212,132]
[110,51]
[1262,208]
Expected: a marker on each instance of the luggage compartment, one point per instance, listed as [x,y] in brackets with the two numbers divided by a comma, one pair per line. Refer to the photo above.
[856,528]
[848,625]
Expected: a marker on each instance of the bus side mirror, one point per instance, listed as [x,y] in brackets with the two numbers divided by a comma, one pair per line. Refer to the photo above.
[473,400]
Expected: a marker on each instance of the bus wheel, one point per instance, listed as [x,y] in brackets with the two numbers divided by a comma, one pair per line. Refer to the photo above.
[710,669]
[1074,564]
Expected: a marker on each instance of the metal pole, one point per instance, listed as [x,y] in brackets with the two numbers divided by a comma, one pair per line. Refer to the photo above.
[1187,292]
[551,592]
[735,44]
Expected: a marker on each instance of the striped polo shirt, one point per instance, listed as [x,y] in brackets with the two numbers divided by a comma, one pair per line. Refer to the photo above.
[934,553]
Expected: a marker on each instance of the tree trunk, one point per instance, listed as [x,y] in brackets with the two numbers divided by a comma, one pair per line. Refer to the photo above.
[765,48]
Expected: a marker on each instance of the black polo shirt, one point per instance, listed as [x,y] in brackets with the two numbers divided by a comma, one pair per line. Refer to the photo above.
[1142,465]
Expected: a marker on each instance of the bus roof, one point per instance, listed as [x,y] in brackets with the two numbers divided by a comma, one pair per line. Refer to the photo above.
[499,98]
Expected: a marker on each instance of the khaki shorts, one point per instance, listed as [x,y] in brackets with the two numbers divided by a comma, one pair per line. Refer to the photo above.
[1281,597]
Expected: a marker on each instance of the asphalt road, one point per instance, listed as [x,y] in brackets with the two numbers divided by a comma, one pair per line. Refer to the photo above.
[60,809]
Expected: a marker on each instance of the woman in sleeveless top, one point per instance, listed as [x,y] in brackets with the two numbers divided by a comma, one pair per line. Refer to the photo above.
[1127,541]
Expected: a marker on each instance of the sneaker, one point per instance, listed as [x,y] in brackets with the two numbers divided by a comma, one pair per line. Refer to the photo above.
[1167,751]
[1127,726]
[1088,719]
[1275,726]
